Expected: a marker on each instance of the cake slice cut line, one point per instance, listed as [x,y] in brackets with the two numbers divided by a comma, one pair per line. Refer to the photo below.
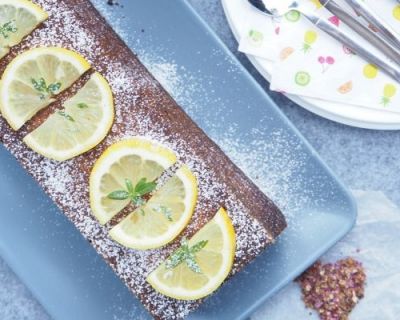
[160,181]
[162,217]
[125,163]
[81,125]
[33,79]
[201,264]
[57,105]
[157,116]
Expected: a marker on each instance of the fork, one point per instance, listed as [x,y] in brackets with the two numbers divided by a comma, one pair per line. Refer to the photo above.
[283,7]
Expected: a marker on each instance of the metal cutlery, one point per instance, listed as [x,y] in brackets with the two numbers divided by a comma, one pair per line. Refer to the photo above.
[388,34]
[372,37]
[278,8]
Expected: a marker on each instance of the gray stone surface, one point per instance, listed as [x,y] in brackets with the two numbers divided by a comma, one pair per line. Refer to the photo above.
[363,159]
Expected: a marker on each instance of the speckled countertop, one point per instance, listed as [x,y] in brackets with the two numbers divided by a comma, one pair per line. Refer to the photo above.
[363,159]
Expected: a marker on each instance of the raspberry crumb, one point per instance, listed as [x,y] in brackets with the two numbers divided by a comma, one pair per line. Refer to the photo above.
[333,289]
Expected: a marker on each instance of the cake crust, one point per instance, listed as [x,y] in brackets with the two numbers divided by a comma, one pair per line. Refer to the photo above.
[143,108]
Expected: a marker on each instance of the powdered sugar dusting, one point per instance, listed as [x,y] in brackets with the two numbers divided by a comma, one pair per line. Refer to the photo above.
[67,182]
[280,180]
[79,39]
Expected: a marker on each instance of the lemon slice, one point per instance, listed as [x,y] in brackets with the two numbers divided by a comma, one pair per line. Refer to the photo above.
[85,121]
[217,242]
[18,18]
[133,159]
[32,79]
[163,217]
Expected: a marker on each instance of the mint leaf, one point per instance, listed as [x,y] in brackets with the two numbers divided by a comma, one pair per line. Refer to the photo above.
[129,186]
[187,255]
[118,195]
[66,116]
[142,188]
[191,263]
[7,28]
[176,259]
[178,256]
[54,87]
[39,85]
[135,193]
[198,246]
[82,105]
[44,89]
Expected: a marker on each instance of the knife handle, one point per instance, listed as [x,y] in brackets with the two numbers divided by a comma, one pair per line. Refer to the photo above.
[372,37]
[371,17]
[352,42]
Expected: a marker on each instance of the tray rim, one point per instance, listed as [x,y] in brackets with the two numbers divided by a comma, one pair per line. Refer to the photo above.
[353,206]
[7,256]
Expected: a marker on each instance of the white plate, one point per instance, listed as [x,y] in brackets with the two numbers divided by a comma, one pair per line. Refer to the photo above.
[346,114]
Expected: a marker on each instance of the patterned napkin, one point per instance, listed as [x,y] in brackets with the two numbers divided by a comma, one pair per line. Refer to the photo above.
[308,62]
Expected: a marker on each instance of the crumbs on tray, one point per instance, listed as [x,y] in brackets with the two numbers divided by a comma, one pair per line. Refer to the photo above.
[333,289]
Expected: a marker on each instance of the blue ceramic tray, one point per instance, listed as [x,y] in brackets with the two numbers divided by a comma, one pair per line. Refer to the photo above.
[62,269]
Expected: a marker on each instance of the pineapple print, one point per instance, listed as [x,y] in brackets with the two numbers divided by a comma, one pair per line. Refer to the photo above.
[389,91]
[317,4]
[309,39]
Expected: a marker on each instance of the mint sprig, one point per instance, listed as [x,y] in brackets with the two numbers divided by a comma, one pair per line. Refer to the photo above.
[82,105]
[66,116]
[7,28]
[186,254]
[45,90]
[135,194]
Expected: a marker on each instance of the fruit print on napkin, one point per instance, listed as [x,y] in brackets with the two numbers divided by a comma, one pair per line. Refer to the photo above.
[259,37]
[308,62]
